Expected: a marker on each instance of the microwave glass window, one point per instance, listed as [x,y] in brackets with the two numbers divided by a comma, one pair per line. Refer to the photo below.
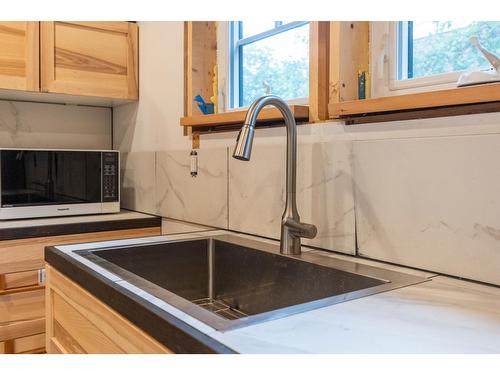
[32,178]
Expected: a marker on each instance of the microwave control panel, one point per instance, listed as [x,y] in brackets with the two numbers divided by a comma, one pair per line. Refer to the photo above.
[110,184]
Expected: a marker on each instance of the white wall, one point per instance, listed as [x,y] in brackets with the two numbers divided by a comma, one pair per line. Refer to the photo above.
[351,178]
[141,129]
[40,125]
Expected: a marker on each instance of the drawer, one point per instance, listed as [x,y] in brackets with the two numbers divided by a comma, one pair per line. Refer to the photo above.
[28,344]
[23,328]
[18,280]
[22,306]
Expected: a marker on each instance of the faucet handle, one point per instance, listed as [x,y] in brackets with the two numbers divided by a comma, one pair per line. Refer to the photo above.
[299,229]
[308,230]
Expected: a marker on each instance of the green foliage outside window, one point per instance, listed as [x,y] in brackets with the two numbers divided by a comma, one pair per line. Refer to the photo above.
[449,50]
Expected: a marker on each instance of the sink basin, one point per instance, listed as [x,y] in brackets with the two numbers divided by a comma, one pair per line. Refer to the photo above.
[229,281]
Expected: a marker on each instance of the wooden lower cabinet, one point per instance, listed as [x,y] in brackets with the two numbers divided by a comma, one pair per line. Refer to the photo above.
[22,291]
[77,322]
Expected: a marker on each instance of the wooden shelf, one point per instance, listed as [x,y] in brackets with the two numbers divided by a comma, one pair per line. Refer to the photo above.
[300,112]
[432,99]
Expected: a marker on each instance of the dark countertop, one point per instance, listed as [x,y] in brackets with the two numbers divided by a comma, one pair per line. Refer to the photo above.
[167,329]
[44,227]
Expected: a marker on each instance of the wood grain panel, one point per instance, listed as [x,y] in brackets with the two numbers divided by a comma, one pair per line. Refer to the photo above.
[318,70]
[88,324]
[25,328]
[200,58]
[300,112]
[66,341]
[80,329]
[90,58]
[19,56]
[22,306]
[73,60]
[18,280]
[22,345]
[457,96]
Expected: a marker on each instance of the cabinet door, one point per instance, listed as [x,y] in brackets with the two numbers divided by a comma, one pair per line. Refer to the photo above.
[19,46]
[90,58]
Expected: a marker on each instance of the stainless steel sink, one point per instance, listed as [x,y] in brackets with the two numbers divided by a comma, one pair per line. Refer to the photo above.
[229,281]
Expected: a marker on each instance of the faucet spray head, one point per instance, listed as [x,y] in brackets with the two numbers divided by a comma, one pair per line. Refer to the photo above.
[243,148]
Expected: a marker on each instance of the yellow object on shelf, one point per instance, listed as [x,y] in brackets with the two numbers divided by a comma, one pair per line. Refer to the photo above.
[215,88]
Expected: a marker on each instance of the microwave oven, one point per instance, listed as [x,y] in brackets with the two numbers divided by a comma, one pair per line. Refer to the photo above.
[44,183]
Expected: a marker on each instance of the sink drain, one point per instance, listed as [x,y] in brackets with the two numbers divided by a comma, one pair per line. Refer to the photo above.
[220,308]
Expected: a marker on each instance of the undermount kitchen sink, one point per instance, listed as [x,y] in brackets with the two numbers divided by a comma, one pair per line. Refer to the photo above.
[229,281]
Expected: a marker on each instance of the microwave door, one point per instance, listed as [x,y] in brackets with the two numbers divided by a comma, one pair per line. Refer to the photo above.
[35,178]
[25,179]
[77,177]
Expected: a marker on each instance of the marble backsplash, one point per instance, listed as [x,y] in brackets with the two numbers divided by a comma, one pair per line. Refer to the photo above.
[399,195]
[161,183]
[138,181]
[324,192]
[201,199]
[43,125]
[249,196]
[431,203]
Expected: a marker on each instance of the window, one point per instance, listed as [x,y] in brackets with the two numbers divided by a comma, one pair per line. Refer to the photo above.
[267,57]
[415,56]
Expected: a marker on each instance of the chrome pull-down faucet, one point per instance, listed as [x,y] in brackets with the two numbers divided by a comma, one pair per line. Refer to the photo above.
[291,227]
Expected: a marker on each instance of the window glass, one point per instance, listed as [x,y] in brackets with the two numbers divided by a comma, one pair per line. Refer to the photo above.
[437,47]
[277,64]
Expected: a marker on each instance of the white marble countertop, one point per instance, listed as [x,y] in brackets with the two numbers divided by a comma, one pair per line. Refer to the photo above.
[25,223]
[441,315]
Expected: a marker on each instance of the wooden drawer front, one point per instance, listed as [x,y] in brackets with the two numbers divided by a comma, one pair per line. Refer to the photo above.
[18,280]
[28,344]
[77,322]
[72,327]
[21,315]
[22,306]
[27,254]
[22,328]
[90,58]
[19,46]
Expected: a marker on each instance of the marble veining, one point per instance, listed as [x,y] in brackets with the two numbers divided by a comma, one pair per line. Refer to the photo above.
[431,203]
[201,199]
[44,125]
[138,181]
[438,316]
[324,192]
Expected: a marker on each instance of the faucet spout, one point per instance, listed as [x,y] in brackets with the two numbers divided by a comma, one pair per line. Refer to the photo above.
[291,227]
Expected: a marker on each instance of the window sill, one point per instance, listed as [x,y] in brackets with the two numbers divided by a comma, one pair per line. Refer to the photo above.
[401,104]
[223,120]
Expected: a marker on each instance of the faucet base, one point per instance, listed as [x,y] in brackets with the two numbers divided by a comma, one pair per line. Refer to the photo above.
[290,246]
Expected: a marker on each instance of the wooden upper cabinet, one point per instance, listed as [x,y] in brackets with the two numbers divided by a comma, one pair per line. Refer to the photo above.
[19,47]
[90,58]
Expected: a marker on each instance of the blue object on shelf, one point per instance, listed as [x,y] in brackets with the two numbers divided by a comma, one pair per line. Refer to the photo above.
[205,108]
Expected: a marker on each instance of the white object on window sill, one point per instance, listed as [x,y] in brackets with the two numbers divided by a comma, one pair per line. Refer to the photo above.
[478,77]
[482,76]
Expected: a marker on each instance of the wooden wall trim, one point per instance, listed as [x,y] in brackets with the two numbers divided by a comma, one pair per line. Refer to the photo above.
[319,62]
[349,56]
[200,58]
